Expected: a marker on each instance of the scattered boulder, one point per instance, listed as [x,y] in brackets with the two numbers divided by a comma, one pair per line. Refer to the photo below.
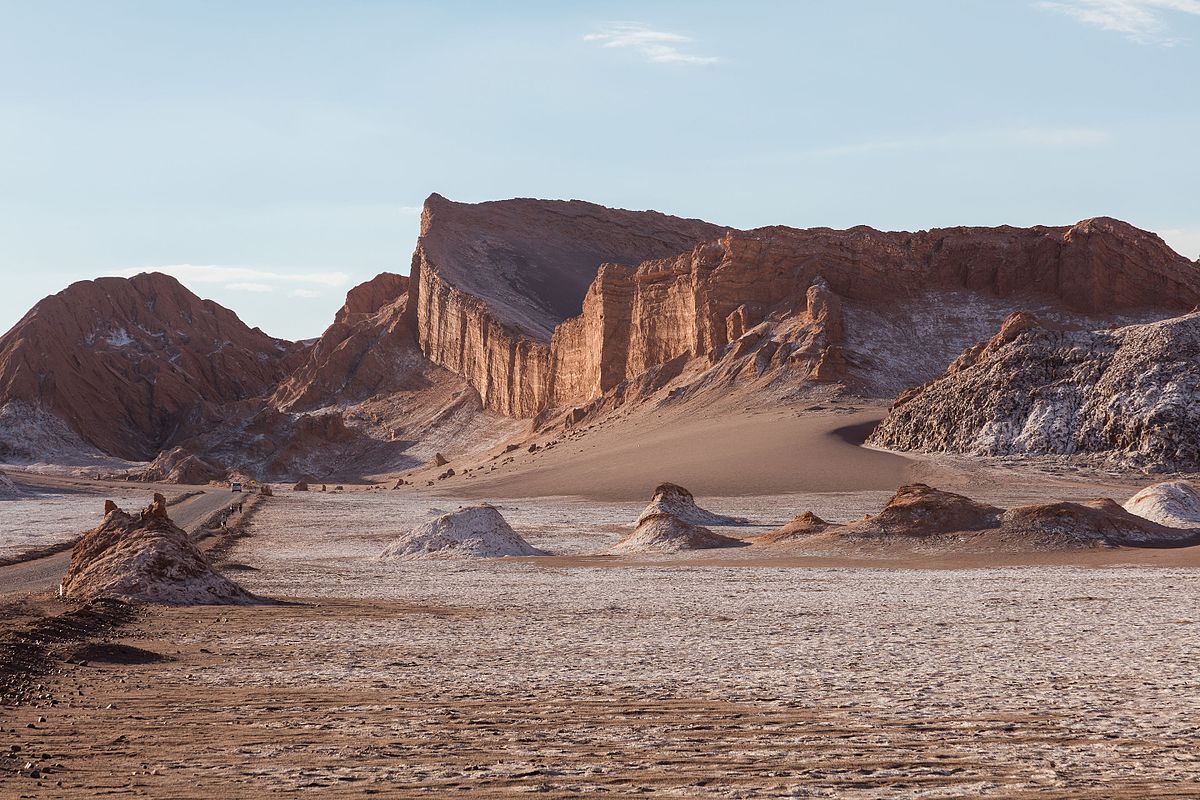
[1175,504]
[145,558]
[300,487]
[8,489]
[471,532]
[665,533]
[678,502]
[266,491]
[804,525]
[439,460]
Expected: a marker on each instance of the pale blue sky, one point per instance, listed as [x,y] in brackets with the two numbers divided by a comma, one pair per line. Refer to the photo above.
[283,149]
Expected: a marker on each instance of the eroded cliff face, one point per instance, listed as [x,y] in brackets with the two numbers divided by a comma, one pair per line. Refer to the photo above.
[773,300]
[493,280]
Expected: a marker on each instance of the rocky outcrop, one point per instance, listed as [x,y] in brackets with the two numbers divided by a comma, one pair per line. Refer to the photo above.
[177,465]
[666,533]
[770,299]
[1127,394]
[799,527]
[472,532]
[495,279]
[368,350]
[122,361]
[8,489]
[678,502]
[921,510]
[1175,504]
[922,516]
[145,558]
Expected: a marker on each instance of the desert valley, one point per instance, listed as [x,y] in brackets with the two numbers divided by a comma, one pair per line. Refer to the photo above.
[601,502]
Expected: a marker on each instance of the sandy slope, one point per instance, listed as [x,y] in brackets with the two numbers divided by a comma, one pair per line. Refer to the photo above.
[752,453]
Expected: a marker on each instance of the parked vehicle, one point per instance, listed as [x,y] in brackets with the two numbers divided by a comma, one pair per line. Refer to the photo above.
[236,486]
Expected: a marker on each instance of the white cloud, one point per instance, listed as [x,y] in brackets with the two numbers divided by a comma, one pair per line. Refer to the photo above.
[662,47]
[410,211]
[1184,241]
[1142,21]
[309,293]
[240,277]
[248,286]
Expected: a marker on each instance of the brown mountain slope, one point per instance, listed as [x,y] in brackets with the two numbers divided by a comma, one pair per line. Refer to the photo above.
[119,362]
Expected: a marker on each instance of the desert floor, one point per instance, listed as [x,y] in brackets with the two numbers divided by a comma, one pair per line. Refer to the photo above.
[715,674]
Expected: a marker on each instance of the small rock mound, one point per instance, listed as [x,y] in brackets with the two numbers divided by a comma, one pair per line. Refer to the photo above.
[1100,521]
[921,510]
[145,558]
[676,501]
[8,489]
[1175,504]
[302,486]
[801,526]
[472,532]
[665,533]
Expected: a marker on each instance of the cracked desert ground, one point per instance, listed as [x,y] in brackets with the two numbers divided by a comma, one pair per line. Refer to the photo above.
[707,674]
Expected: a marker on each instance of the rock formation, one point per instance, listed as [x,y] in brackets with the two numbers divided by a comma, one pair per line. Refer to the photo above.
[801,526]
[920,514]
[1128,394]
[1175,504]
[8,489]
[666,533]
[122,361]
[553,320]
[471,532]
[177,465]
[145,558]
[678,502]
[302,486]
[551,311]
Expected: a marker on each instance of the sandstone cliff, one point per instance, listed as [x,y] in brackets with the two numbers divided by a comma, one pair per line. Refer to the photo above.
[121,361]
[523,299]
[1128,394]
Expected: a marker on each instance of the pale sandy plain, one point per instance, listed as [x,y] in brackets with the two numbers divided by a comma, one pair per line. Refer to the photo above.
[737,673]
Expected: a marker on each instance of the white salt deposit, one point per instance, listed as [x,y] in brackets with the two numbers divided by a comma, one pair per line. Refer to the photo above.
[472,532]
[1175,504]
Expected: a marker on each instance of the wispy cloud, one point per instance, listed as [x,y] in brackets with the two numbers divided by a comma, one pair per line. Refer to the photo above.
[662,47]
[307,293]
[1142,21]
[247,279]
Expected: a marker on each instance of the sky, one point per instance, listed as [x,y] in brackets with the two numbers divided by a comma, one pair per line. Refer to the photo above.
[274,154]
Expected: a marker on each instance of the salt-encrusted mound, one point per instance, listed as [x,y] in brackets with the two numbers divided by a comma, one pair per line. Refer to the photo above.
[920,510]
[1175,504]
[804,525]
[472,532]
[678,502]
[664,533]
[8,489]
[1099,521]
[1127,393]
[145,558]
